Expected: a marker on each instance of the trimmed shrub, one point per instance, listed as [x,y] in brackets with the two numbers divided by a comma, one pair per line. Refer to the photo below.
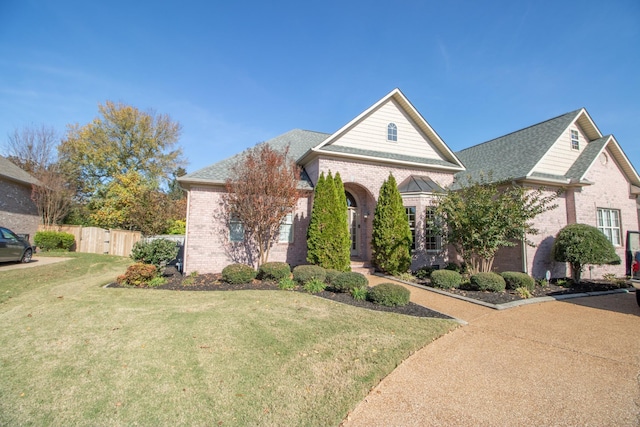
[389,294]
[331,275]
[314,286]
[446,279]
[491,282]
[274,271]
[138,274]
[305,273]
[158,252]
[515,280]
[346,282]
[54,240]
[237,274]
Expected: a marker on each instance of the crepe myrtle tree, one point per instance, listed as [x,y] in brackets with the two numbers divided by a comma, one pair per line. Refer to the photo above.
[480,217]
[262,189]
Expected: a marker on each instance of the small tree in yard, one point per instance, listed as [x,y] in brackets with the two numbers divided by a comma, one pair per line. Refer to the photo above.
[261,190]
[582,244]
[391,236]
[484,216]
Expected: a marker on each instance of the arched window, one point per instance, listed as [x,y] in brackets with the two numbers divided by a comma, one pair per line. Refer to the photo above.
[392,132]
[351,201]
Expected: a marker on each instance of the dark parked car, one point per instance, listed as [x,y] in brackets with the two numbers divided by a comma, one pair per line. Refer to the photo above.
[14,247]
[635,275]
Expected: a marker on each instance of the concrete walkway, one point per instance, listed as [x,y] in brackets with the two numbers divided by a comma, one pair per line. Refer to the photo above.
[570,363]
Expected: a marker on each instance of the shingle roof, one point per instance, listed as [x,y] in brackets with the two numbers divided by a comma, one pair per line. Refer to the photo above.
[514,155]
[299,142]
[388,156]
[419,184]
[14,173]
[586,158]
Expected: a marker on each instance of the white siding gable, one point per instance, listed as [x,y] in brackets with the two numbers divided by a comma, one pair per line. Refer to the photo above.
[561,156]
[370,133]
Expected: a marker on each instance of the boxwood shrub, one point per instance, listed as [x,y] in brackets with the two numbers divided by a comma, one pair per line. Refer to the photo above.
[515,280]
[305,273]
[158,252]
[492,282]
[346,282]
[446,279]
[237,274]
[389,294]
[54,240]
[331,275]
[274,271]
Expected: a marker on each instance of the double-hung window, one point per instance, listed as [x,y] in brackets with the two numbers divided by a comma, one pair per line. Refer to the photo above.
[575,140]
[392,132]
[236,229]
[609,224]
[411,217]
[286,229]
[432,240]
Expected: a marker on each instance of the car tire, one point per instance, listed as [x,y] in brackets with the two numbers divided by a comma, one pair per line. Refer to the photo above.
[638,297]
[26,256]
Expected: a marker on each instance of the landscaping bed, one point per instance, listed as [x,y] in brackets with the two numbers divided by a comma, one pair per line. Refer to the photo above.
[550,289]
[212,282]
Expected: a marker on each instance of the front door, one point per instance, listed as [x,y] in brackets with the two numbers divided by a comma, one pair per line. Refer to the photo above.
[353,230]
[354,226]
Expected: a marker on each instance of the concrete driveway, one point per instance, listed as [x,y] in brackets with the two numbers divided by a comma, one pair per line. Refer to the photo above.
[35,262]
[570,363]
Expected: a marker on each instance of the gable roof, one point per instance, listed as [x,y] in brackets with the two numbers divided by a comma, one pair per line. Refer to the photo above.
[299,142]
[451,162]
[12,172]
[513,156]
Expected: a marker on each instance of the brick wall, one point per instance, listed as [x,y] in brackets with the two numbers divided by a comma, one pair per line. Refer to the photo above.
[17,210]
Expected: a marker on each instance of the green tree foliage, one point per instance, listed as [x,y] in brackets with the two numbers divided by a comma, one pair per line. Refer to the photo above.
[328,242]
[391,237]
[582,244]
[122,140]
[481,217]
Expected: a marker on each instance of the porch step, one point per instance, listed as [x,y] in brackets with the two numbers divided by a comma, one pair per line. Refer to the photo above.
[363,267]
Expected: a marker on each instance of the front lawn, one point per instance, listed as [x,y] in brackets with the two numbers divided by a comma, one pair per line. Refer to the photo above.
[74,353]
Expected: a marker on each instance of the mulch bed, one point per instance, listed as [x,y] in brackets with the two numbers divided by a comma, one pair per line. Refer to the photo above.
[551,289]
[212,282]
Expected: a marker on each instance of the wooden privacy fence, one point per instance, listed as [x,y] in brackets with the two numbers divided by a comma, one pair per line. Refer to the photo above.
[97,240]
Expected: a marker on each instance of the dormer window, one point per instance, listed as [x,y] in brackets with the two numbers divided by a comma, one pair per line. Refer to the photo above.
[392,132]
[575,140]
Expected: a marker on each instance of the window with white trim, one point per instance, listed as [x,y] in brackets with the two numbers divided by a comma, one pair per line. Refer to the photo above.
[609,224]
[236,229]
[411,217]
[392,132]
[575,140]
[432,240]
[286,229]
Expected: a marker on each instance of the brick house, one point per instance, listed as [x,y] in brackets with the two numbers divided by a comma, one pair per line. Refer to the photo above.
[17,211]
[391,136]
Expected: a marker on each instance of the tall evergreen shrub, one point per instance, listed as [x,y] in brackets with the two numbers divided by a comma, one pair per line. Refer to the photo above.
[391,238]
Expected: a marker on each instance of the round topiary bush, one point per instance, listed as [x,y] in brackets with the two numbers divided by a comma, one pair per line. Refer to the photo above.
[515,280]
[389,294]
[305,273]
[274,271]
[346,282]
[492,282]
[446,279]
[237,274]
[331,274]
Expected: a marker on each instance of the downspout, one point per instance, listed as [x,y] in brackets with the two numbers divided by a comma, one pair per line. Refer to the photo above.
[525,263]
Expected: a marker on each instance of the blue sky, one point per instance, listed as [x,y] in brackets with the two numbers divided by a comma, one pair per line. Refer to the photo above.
[235,73]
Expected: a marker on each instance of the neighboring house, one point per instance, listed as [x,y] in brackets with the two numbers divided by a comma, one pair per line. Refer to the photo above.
[17,211]
[392,137]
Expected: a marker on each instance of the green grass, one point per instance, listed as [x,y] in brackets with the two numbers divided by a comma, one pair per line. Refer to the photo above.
[74,353]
